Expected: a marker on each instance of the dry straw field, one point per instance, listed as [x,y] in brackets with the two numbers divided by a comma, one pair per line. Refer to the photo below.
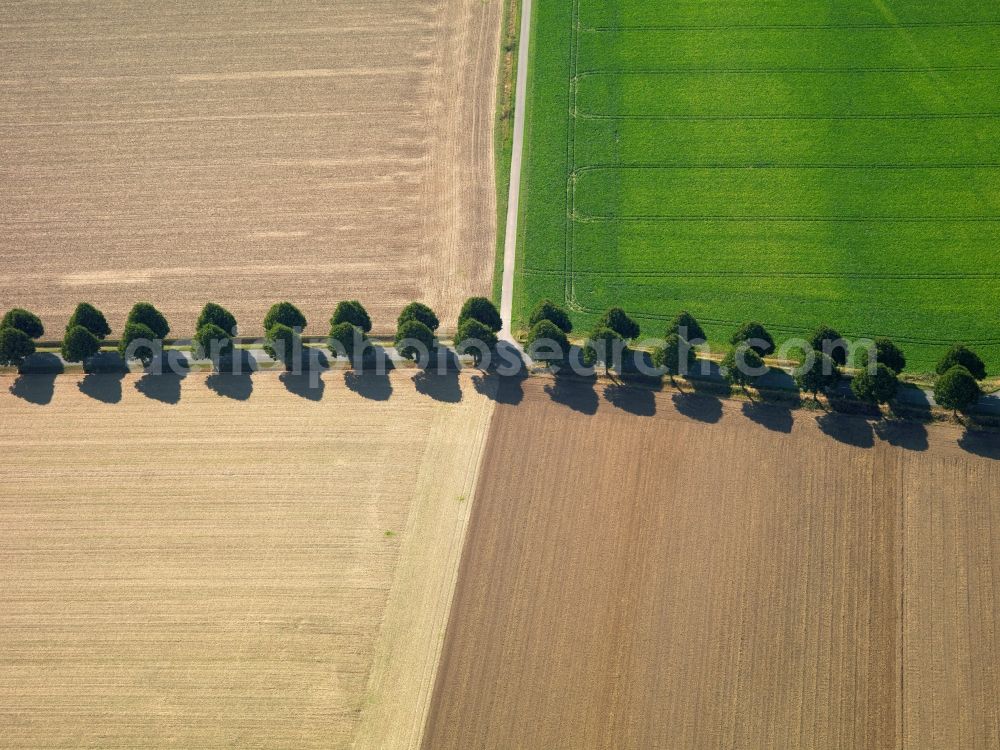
[699,579]
[269,572]
[178,151]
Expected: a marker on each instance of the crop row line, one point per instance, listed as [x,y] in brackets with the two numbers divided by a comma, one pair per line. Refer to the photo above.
[787,69]
[893,276]
[787,165]
[579,218]
[584,115]
[792,26]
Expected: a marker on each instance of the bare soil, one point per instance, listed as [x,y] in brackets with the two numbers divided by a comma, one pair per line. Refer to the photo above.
[686,572]
[180,151]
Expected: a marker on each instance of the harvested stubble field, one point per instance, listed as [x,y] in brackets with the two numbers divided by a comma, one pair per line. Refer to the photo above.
[697,578]
[274,572]
[178,151]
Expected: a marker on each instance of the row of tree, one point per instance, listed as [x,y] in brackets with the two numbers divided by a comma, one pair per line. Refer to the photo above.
[877,381]
[956,387]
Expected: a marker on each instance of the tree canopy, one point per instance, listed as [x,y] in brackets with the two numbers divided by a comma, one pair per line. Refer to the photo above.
[286,314]
[741,365]
[347,339]
[410,333]
[353,312]
[878,386]
[547,342]
[687,327]
[677,356]
[756,336]
[957,389]
[818,373]
[147,315]
[961,355]
[829,341]
[283,344]
[882,351]
[474,337]
[483,310]
[618,321]
[213,341]
[421,313]
[24,321]
[139,332]
[549,310]
[80,344]
[89,317]
[15,345]
[605,346]
[218,316]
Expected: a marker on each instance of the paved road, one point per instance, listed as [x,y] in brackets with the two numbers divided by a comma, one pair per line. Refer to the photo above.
[513,200]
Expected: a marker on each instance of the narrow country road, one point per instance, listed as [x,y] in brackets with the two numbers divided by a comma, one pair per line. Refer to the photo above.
[513,201]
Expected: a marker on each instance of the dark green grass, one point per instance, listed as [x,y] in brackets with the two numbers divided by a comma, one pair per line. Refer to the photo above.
[791,162]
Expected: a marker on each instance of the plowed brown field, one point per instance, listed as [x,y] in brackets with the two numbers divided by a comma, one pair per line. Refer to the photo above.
[274,572]
[179,151]
[699,579]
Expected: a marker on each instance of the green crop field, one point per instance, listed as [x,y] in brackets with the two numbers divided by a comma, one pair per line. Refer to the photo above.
[797,162]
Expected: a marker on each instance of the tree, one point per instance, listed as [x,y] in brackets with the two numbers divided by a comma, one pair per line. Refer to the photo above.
[80,344]
[687,327]
[962,355]
[286,314]
[284,344]
[421,313]
[742,365]
[878,386]
[756,336]
[353,312]
[217,315]
[15,345]
[483,310]
[883,351]
[830,342]
[147,315]
[347,339]
[475,337]
[414,338]
[547,342]
[605,345]
[213,341]
[89,317]
[818,373]
[143,352]
[957,390]
[677,356]
[618,321]
[548,310]
[24,321]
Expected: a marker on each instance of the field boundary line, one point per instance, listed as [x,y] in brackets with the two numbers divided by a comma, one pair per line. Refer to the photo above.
[583,114]
[768,71]
[944,276]
[788,165]
[586,218]
[792,26]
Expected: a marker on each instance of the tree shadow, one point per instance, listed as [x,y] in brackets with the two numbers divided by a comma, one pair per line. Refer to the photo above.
[162,379]
[308,385]
[702,406]
[374,385]
[983,444]
[903,434]
[36,380]
[235,385]
[577,393]
[503,381]
[106,363]
[439,379]
[102,386]
[849,430]
[773,416]
[639,401]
